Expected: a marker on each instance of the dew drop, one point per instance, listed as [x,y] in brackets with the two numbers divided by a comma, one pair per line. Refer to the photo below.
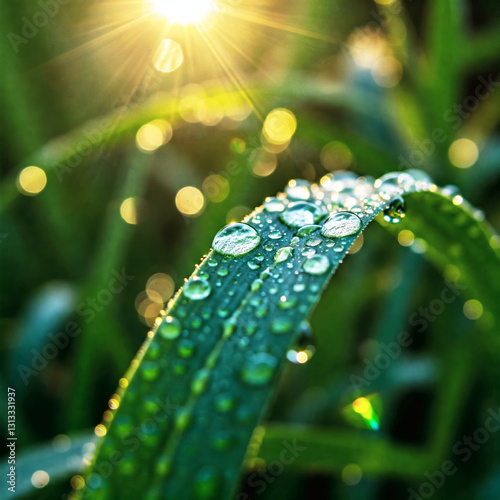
[314,241]
[283,254]
[341,224]
[298,189]
[253,264]
[197,289]
[316,265]
[236,239]
[307,230]
[259,368]
[274,205]
[302,213]
[394,183]
[395,211]
[186,348]
[170,328]
[275,235]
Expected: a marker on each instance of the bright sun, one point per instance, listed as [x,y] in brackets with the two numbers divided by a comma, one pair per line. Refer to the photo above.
[184,11]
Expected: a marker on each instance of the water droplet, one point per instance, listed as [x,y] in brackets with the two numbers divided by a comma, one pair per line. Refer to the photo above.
[197,289]
[259,368]
[421,179]
[307,230]
[318,264]
[298,189]
[283,254]
[186,348]
[274,205]
[253,264]
[222,271]
[170,328]
[281,325]
[275,235]
[314,241]
[302,213]
[308,252]
[394,183]
[341,224]
[299,287]
[224,403]
[236,239]
[395,211]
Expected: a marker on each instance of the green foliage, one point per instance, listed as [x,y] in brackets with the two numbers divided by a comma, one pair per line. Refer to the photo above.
[62,247]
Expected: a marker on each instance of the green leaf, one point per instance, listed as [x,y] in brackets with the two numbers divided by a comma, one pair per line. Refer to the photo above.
[205,375]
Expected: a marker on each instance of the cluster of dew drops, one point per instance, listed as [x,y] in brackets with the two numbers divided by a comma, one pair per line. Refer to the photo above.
[337,207]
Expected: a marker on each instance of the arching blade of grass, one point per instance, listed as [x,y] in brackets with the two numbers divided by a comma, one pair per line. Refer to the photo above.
[205,375]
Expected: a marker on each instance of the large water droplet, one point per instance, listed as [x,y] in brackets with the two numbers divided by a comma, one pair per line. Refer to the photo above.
[302,213]
[298,189]
[170,328]
[259,368]
[341,224]
[236,239]
[274,205]
[283,254]
[197,289]
[395,211]
[317,264]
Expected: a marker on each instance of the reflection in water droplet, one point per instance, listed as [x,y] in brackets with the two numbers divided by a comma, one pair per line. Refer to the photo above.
[318,264]
[236,239]
[341,224]
[259,368]
[186,348]
[197,289]
[302,213]
[283,254]
[170,328]
[395,211]
[314,241]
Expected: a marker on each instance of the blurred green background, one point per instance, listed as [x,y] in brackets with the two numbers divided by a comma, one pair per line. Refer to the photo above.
[117,162]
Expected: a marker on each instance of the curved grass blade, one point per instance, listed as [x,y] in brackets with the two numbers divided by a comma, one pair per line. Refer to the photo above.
[204,377]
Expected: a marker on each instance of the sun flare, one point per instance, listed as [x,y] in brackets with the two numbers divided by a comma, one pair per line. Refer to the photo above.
[184,11]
